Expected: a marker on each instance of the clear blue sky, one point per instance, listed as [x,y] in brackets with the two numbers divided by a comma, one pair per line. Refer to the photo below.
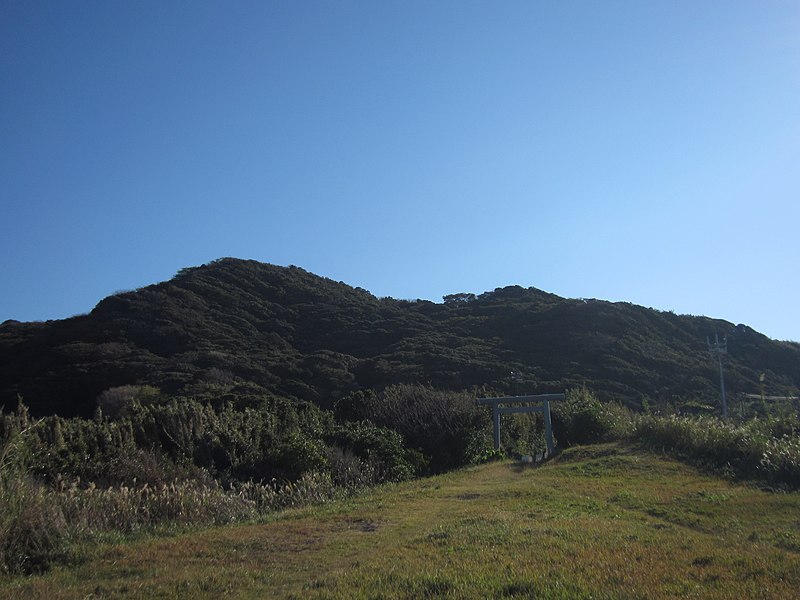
[637,151]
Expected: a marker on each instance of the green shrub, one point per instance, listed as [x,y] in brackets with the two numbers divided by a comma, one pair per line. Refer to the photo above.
[581,418]
[440,424]
[490,455]
[303,454]
[382,448]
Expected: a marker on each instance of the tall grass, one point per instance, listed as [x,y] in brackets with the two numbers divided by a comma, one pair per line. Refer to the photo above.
[765,449]
[39,520]
[181,463]
[749,450]
[123,508]
[33,532]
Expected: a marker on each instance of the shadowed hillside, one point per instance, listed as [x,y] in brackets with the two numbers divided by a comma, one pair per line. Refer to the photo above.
[236,324]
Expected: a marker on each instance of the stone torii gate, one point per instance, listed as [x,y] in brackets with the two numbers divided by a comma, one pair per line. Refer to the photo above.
[539,403]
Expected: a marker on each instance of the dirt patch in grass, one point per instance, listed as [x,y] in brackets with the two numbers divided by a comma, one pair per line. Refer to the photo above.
[468,496]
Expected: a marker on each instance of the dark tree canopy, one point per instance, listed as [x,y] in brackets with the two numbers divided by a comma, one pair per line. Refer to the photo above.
[285,331]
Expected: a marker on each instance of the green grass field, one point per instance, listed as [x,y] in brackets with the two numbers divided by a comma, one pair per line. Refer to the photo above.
[596,522]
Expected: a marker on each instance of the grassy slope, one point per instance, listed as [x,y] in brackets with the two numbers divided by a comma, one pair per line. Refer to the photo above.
[597,522]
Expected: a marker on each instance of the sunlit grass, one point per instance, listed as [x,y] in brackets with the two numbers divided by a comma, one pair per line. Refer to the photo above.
[596,522]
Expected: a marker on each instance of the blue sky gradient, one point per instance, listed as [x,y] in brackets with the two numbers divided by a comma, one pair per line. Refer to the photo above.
[634,151]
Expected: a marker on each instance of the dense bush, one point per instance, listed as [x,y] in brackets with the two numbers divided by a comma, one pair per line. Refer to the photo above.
[379,451]
[183,438]
[441,425]
[582,419]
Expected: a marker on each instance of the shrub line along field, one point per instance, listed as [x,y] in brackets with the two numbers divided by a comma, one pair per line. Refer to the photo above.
[603,521]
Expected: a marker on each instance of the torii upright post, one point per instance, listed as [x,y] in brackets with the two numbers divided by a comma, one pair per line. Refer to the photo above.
[539,403]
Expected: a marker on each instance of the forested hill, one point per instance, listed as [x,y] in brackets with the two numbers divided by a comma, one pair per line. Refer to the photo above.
[238,325]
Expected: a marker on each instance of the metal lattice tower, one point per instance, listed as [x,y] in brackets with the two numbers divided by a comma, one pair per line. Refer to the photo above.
[720,348]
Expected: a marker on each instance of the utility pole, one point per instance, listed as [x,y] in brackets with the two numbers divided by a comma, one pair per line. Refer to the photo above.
[720,348]
[516,378]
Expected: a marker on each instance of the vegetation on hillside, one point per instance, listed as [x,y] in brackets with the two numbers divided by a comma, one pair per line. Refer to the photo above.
[238,389]
[166,462]
[295,335]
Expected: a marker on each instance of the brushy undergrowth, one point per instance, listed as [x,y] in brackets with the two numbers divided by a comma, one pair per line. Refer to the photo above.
[40,519]
[185,463]
[762,449]
[583,419]
[33,531]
